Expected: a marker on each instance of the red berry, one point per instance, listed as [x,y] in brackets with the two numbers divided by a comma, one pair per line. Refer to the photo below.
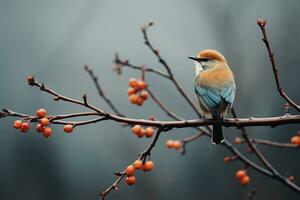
[41,112]
[136,129]
[133,83]
[140,101]
[227,159]
[177,144]
[245,180]
[25,127]
[44,121]
[17,124]
[39,128]
[131,91]
[240,174]
[170,144]
[138,164]
[130,180]
[130,170]
[149,132]
[148,165]
[144,95]
[133,98]
[295,140]
[47,132]
[68,128]
[142,85]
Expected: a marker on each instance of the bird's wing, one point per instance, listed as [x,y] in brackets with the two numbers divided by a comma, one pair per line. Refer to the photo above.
[212,97]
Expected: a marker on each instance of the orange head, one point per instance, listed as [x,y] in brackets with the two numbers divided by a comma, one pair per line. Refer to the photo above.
[207,59]
[209,55]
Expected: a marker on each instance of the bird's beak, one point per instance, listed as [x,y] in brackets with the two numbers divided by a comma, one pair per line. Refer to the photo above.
[198,59]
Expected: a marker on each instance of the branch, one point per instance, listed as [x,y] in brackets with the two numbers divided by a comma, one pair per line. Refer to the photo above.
[261,23]
[168,69]
[101,92]
[272,143]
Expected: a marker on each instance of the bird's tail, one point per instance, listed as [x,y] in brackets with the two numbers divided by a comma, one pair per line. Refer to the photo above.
[217,133]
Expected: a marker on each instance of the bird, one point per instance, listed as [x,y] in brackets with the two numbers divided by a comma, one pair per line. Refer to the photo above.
[214,87]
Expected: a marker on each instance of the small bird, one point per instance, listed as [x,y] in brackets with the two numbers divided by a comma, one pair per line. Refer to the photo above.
[214,87]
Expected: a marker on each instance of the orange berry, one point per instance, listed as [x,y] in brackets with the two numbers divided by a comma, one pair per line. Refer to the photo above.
[136,129]
[148,165]
[227,159]
[44,121]
[149,132]
[144,95]
[141,84]
[39,128]
[130,180]
[240,174]
[133,83]
[170,144]
[141,133]
[295,140]
[47,132]
[138,164]
[133,98]
[41,113]
[131,91]
[237,140]
[177,144]
[68,128]
[140,101]
[130,170]
[17,124]
[245,180]
[25,127]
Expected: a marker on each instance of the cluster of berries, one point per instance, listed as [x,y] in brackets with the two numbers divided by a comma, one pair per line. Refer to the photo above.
[242,176]
[42,126]
[138,164]
[296,139]
[174,144]
[139,131]
[136,91]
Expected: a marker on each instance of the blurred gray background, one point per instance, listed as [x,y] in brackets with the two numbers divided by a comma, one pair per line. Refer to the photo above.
[54,39]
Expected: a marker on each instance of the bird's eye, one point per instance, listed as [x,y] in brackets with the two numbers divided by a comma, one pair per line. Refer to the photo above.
[203,59]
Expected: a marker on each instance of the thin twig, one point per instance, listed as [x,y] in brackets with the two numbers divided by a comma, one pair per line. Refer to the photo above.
[262,23]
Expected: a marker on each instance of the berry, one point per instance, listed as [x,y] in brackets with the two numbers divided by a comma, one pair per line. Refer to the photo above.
[41,113]
[68,128]
[148,165]
[133,98]
[136,129]
[237,140]
[295,140]
[245,180]
[44,121]
[141,84]
[240,174]
[170,144]
[25,127]
[149,132]
[17,124]
[133,83]
[130,170]
[130,180]
[138,164]
[131,91]
[39,128]
[227,159]
[144,95]
[177,144]
[47,132]
[140,101]
[141,133]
